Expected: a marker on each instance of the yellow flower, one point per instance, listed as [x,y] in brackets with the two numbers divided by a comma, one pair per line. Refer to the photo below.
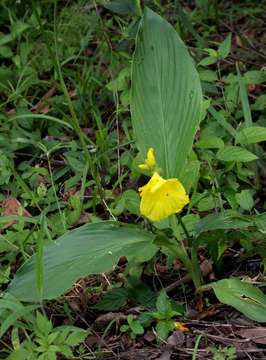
[161,198]
[181,327]
[150,162]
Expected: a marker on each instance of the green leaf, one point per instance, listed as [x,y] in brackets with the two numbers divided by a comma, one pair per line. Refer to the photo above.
[5,52]
[260,221]
[121,82]
[222,221]
[244,297]
[260,103]
[166,102]
[136,327]
[123,7]
[209,60]
[90,249]
[130,201]
[17,311]
[75,162]
[235,153]
[163,328]
[163,304]
[43,324]
[140,293]
[251,135]
[210,142]
[124,328]
[218,116]
[113,300]
[208,75]
[255,77]
[244,99]
[66,351]
[189,176]
[18,27]
[19,354]
[76,337]
[6,74]
[225,47]
[5,169]
[208,203]
[4,271]
[245,199]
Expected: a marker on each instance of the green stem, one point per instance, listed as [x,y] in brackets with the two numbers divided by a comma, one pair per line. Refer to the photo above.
[182,253]
[194,253]
[184,228]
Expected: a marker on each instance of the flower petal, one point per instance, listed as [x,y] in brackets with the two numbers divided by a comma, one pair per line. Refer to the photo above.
[150,162]
[161,198]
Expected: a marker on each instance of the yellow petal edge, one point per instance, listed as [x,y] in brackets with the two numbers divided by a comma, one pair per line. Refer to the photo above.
[161,198]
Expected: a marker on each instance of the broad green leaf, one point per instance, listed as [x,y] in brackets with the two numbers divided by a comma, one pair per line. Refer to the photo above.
[189,176]
[245,199]
[166,99]
[244,297]
[251,135]
[222,221]
[235,153]
[123,7]
[90,249]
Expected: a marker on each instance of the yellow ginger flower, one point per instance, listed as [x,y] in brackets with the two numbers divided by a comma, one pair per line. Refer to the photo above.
[161,198]
[150,162]
[181,327]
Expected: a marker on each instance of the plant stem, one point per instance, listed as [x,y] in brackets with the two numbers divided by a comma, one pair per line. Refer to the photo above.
[183,227]
[183,254]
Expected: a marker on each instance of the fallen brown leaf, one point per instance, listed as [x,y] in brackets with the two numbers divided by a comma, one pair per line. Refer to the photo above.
[12,206]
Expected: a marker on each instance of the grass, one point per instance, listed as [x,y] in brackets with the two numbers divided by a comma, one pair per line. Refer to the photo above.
[68,157]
